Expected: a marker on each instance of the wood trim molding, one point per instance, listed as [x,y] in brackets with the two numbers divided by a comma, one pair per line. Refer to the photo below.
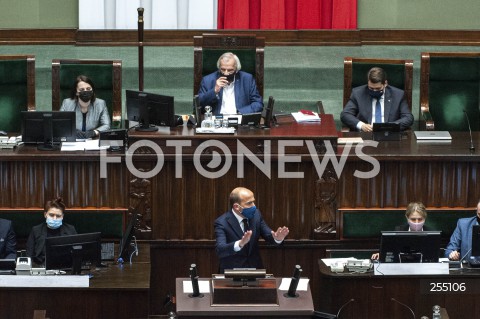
[272,37]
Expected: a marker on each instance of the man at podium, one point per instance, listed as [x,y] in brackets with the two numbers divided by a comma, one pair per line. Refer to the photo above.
[237,232]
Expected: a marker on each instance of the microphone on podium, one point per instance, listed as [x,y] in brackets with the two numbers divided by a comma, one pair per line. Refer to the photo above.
[194,279]
[292,290]
[472,148]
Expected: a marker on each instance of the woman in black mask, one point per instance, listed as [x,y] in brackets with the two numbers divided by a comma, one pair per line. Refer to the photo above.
[91,113]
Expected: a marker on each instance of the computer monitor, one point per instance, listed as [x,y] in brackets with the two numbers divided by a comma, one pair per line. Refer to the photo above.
[410,246]
[48,128]
[475,240]
[251,119]
[73,251]
[124,251]
[150,110]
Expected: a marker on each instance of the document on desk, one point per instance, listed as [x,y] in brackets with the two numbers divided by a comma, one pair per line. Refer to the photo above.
[203,286]
[351,140]
[87,145]
[302,284]
[302,117]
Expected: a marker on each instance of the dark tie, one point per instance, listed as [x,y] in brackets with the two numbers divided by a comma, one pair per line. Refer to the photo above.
[378,112]
[246,226]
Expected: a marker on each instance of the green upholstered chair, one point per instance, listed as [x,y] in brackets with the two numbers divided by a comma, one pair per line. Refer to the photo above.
[105,74]
[209,47]
[111,223]
[399,74]
[449,84]
[17,89]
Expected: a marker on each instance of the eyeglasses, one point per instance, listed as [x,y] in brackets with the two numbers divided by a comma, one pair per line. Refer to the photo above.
[85,89]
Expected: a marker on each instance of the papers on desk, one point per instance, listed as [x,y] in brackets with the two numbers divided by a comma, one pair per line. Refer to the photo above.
[302,284]
[87,145]
[351,140]
[203,286]
[306,116]
[212,130]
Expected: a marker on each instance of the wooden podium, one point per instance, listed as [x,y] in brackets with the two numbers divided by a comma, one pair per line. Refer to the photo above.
[194,308]
[227,292]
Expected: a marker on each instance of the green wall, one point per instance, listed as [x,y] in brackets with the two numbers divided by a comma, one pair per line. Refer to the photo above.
[372,14]
[38,14]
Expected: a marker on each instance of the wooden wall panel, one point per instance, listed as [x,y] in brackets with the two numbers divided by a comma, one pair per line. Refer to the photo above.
[436,184]
[186,208]
[30,184]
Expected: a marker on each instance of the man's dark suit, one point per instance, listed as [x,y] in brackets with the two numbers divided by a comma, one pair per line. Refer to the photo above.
[7,240]
[247,98]
[359,108]
[36,240]
[228,231]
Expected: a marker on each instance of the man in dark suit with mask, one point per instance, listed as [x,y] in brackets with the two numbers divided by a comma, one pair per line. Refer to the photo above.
[7,240]
[376,102]
[238,230]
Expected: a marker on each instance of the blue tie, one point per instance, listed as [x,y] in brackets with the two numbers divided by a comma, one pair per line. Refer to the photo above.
[378,112]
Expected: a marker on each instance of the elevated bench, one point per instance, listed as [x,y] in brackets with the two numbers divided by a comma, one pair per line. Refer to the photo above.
[110,222]
[358,224]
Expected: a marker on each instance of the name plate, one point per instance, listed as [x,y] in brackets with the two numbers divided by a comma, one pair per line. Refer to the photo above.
[383,269]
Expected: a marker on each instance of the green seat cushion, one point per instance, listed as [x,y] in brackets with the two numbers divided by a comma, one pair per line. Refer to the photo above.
[370,224]
[101,75]
[210,58]
[109,223]
[395,73]
[13,94]
[454,87]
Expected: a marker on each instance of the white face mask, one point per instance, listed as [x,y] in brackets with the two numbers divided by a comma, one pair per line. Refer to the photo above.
[416,226]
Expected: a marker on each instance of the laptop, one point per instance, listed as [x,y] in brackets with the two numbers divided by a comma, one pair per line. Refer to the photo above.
[386,132]
[433,135]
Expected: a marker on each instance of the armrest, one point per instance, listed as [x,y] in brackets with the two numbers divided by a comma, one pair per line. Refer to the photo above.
[426,121]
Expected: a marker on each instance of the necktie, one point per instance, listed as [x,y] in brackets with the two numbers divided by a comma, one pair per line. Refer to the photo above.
[378,112]
[246,226]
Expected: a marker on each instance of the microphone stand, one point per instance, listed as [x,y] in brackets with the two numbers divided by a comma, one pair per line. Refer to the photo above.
[140,49]
[471,148]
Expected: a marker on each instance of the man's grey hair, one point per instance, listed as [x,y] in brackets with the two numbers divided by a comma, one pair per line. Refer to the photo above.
[228,56]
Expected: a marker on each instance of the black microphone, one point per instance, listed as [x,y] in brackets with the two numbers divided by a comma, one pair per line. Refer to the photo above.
[461,260]
[343,306]
[413,314]
[472,148]
[292,290]
[194,279]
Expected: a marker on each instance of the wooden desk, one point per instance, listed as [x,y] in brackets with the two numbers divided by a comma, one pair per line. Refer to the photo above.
[380,296]
[190,308]
[114,292]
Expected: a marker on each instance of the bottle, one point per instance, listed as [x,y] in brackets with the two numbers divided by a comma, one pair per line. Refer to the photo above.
[207,119]
[436,312]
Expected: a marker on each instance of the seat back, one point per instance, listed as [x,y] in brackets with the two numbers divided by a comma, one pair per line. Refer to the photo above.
[209,47]
[17,89]
[105,74]
[450,84]
[399,74]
